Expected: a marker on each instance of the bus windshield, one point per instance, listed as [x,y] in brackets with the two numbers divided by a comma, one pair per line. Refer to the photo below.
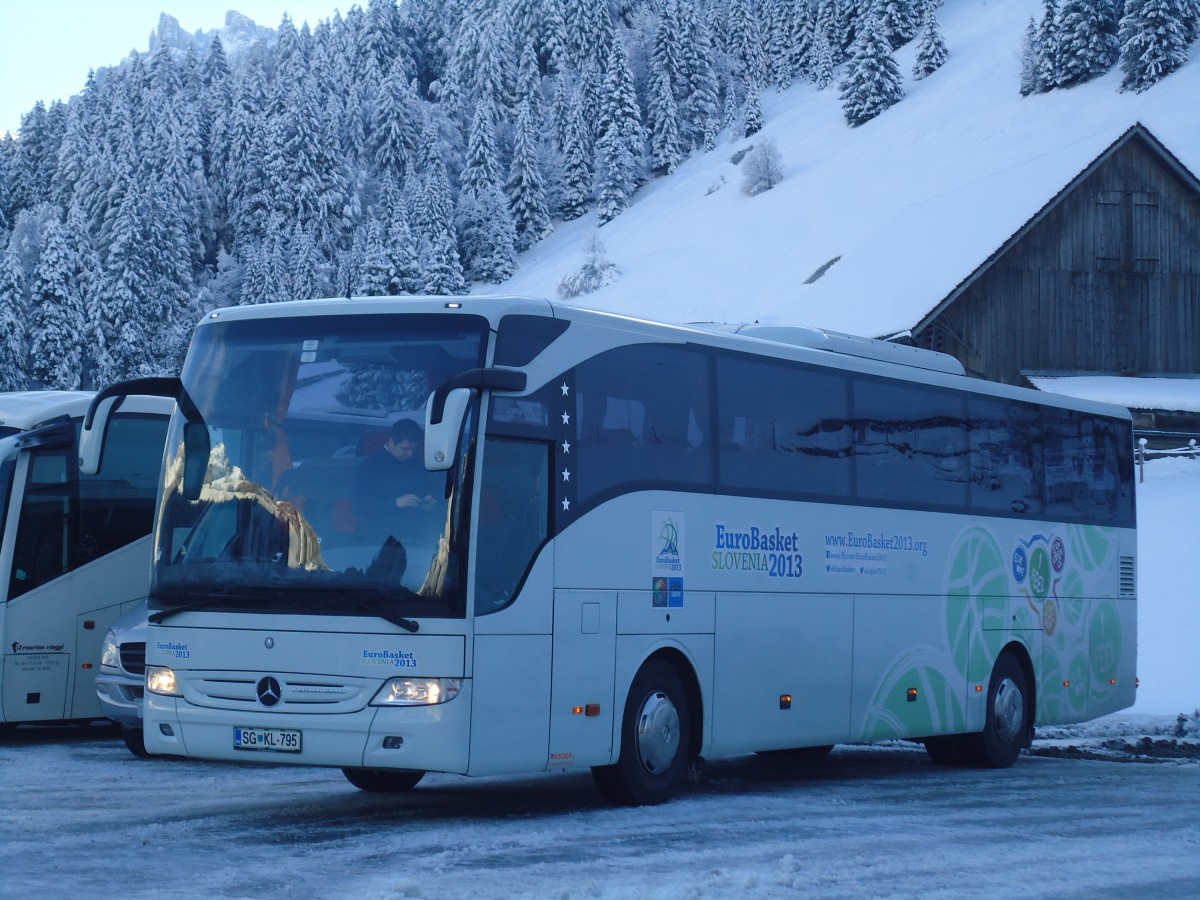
[315,497]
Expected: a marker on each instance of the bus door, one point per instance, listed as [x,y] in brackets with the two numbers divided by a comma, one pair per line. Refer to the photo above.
[38,641]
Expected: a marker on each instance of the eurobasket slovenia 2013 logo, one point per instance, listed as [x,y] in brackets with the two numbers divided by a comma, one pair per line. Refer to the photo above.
[666,569]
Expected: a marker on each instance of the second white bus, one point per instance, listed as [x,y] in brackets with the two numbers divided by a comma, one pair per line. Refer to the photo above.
[74,549]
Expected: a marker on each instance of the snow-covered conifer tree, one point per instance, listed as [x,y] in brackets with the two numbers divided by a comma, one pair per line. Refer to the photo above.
[700,107]
[621,139]
[1153,37]
[374,273]
[824,54]
[752,115]
[872,80]
[486,236]
[1048,56]
[931,51]
[665,73]
[1031,82]
[900,20]
[405,277]
[576,194]
[1087,40]
[56,316]
[433,219]
[395,124]
[800,45]
[526,186]
[13,374]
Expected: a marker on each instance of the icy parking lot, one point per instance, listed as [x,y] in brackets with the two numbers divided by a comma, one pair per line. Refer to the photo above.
[1107,809]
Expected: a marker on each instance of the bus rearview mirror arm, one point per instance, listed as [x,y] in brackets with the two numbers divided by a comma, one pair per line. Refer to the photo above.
[108,401]
[448,405]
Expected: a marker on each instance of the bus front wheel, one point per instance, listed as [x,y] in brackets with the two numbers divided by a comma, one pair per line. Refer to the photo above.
[654,740]
[383,781]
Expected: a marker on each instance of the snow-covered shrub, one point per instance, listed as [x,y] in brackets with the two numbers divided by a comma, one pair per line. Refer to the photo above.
[762,168]
[594,274]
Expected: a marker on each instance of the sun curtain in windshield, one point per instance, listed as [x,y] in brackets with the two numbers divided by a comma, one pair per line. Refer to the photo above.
[316,497]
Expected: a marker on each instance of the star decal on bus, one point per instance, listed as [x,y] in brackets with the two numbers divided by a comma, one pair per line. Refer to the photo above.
[566,446]
[566,474]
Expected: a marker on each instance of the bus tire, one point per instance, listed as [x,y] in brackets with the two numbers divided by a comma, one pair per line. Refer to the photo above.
[654,740]
[134,740]
[1007,720]
[384,781]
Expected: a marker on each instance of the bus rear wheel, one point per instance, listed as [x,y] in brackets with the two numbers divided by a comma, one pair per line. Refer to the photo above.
[383,781]
[654,740]
[1006,728]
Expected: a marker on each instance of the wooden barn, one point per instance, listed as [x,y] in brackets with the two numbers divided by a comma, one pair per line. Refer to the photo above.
[1104,278]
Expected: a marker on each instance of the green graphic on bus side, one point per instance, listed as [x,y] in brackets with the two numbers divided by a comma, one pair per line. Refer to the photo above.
[1048,583]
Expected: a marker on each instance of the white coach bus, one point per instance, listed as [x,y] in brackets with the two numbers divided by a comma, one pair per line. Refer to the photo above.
[632,546]
[74,549]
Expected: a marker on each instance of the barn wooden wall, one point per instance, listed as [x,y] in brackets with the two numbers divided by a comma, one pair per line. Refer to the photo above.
[1108,281]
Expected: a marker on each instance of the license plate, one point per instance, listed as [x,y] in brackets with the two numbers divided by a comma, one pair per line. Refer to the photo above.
[278,740]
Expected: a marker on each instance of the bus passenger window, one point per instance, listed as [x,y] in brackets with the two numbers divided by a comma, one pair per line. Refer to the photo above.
[793,439]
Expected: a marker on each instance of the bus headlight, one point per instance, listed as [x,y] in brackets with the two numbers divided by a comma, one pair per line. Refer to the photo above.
[161,680]
[110,656]
[417,691]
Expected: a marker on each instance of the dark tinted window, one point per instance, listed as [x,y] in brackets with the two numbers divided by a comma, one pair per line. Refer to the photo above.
[783,428]
[642,417]
[911,444]
[1006,456]
[1086,476]
[68,520]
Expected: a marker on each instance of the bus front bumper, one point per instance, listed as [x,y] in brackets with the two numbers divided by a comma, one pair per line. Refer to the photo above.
[426,738]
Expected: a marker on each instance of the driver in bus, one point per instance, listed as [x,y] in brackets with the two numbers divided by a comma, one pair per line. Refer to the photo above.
[394,494]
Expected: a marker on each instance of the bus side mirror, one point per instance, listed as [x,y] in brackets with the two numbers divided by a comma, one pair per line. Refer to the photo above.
[95,422]
[91,435]
[441,438]
[196,449]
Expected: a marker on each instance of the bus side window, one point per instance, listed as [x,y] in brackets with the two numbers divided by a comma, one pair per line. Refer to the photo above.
[642,419]
[514,512]
[1006,446]
[784,428]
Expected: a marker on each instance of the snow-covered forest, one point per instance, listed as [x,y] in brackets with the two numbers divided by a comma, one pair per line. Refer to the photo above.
[423,146]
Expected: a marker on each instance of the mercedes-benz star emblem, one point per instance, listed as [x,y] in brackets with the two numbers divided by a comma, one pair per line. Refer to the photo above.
[269,691]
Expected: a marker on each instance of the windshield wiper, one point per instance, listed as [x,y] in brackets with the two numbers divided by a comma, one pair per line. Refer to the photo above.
[207,601]
[388,616]
[217,598]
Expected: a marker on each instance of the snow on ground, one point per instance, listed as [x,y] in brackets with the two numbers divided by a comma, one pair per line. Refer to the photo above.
[1106,808]
[1168,505]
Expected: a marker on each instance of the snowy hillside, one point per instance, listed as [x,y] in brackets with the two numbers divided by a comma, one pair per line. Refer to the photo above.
[911,202]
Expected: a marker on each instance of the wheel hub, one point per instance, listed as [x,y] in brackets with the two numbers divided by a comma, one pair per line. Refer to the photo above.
[657,732]
[1008,710]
